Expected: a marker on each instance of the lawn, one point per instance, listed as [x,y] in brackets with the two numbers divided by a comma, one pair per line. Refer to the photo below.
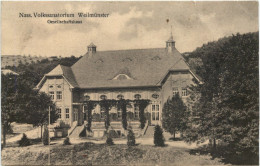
[101,154]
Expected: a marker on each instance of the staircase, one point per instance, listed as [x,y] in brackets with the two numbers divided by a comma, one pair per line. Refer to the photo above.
[149,132]
[75,133]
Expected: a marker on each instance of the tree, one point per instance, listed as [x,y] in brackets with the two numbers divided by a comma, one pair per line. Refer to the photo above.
[20,103]
[66,141]
[158,136]
[142,104]
[90,105]
[174,115]
[13,97]
[130,137]
[24,141]
[109,141]
[122,105]
[228,106]
[38,106]
[45,138]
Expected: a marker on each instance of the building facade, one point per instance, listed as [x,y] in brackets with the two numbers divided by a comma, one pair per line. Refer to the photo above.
[153,74]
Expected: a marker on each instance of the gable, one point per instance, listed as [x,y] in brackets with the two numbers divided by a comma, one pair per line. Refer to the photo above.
[60,71]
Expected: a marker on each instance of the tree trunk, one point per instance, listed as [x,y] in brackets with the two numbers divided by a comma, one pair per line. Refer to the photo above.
[214,144]
[4,134]
[41,131]
[174,134]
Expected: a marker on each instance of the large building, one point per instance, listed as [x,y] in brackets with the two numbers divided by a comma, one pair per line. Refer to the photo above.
[154,74]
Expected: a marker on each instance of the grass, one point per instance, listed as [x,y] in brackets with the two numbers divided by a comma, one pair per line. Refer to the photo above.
[101,154]
[227,155]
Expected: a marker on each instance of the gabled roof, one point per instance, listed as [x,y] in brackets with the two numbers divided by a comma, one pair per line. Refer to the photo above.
[63,71]
[146,66]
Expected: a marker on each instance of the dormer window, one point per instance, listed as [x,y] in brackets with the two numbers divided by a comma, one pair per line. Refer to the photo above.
[127,60]
[122,77]
[156,58]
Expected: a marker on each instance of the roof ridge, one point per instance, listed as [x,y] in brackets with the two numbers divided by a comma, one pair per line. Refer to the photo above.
[131,49]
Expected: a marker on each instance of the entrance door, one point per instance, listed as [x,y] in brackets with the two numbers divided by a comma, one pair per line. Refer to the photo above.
[155,114]
[75,114]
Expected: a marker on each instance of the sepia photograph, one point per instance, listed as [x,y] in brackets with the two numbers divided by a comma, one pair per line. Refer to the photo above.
[130,83]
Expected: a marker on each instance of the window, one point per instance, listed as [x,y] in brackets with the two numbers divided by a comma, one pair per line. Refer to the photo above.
[103,97]
[137,96]
[86,98]
[102,112]
[175,91]
[155,96]
[59,95]
[58,86]
[119,113]
[52,95]
[120,97]
[155,112]
[67,113]
[136,111]
[59,113]
[184,92]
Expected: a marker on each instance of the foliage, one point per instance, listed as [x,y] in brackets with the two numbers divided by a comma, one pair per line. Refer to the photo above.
[109,141]
[101,154]
[20,103]
[174,115]
[122,105]
[45,137]
[130,137]
[142,104]
[227,109]
[158,136]
[24,141]
[34,72]
[66,141]
[107,105]
[89,105]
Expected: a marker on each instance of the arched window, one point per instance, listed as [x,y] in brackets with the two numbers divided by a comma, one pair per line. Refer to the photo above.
[86,98]
[155,96]
[137,96]
[103,97]
[119,97]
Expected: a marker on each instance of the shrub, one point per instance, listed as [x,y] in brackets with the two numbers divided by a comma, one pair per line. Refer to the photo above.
[24,141]
[66,141]
[45,137]
[158,136]
[113,134]
[109,141]
[130,138]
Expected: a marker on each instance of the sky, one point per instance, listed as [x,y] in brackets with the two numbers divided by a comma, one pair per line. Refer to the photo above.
[130,25]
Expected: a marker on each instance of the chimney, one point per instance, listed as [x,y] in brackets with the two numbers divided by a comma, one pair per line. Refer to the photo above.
[92,48]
